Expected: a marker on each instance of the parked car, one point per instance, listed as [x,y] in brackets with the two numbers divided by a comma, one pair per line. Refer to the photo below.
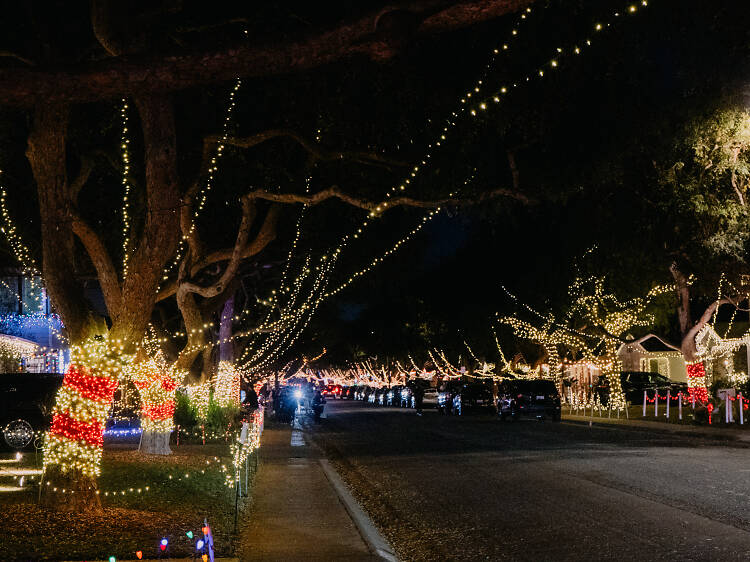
[374,396]
[539,399]
[635,382]
[358,392]
[472,397]
[406,396]
[445,395]
[430,399]
[367,392]
[331,391]
[288,402]
[393,397]
[26,401]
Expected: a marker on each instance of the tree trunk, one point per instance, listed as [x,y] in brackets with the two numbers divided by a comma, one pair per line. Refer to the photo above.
[226,347]
[683,291]
[193,319]
[46,155]
[66,448]
[616,395]
[155,442]
[696,370]
[70,491]
[158,241]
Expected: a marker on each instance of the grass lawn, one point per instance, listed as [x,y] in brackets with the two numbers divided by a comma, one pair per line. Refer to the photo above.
[133,521]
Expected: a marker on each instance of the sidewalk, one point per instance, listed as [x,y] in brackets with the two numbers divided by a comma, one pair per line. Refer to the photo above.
[709,432]
[296,513]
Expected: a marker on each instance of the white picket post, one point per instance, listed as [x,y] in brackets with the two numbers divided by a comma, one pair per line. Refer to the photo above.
[644,403]
[669,397]
[679,405]
[656,403]
[742,416]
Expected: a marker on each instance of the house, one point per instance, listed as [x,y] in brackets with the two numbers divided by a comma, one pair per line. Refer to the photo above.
[724,357]
[30,334]
[653,354]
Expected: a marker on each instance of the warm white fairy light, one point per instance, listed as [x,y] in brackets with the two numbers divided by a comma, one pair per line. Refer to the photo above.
[213,168]
[384,206]
[125,147]
[378,260]
[20,250]
[227,385]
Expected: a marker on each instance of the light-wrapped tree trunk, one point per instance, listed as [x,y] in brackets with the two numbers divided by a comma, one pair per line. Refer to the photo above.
[73,447]
[156,381]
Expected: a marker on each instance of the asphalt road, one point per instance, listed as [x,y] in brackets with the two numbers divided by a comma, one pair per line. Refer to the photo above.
[476,488]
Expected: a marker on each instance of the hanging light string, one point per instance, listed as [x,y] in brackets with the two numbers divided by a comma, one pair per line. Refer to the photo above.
[288,319]
[506,365]
[402,187]
[553,63]
[125,147]
[211,172]
[470,104]
[475,107]
[21,251]
[302,319]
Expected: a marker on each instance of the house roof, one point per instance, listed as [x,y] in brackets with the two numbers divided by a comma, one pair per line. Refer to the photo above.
[654,343]
[650,343]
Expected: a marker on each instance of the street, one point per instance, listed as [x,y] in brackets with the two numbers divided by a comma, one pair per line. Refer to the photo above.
[474,487]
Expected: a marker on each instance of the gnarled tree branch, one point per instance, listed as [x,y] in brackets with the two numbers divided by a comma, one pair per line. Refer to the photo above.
[102,261]
[248,213]
[335,192]
[264,237]
[143,74]
[317,152]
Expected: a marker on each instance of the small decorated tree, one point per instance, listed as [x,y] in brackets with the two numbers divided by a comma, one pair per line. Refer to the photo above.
[156,381]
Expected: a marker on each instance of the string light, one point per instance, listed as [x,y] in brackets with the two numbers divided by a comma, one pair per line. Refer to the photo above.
[227,386]
[74,442]
[125,146]
[156,382]
[20,250]
[213,168]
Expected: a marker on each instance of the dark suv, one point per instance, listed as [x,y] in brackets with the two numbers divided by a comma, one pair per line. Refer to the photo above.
[447,390]
[534,398]
[635,382]
[473,397]
[26,401]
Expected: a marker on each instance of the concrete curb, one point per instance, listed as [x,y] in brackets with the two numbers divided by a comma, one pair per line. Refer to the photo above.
[718,433]
[374,539]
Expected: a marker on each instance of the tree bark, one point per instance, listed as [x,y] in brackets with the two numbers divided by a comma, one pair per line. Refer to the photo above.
[158,241]
[136,75]
[80,495]
[193,320]
[226,347]
[687,346]
[265,236]
[46,155]
[683,291]
[105,269]
[155,443]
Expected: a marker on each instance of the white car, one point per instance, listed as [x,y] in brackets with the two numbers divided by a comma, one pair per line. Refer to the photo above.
[429,398]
